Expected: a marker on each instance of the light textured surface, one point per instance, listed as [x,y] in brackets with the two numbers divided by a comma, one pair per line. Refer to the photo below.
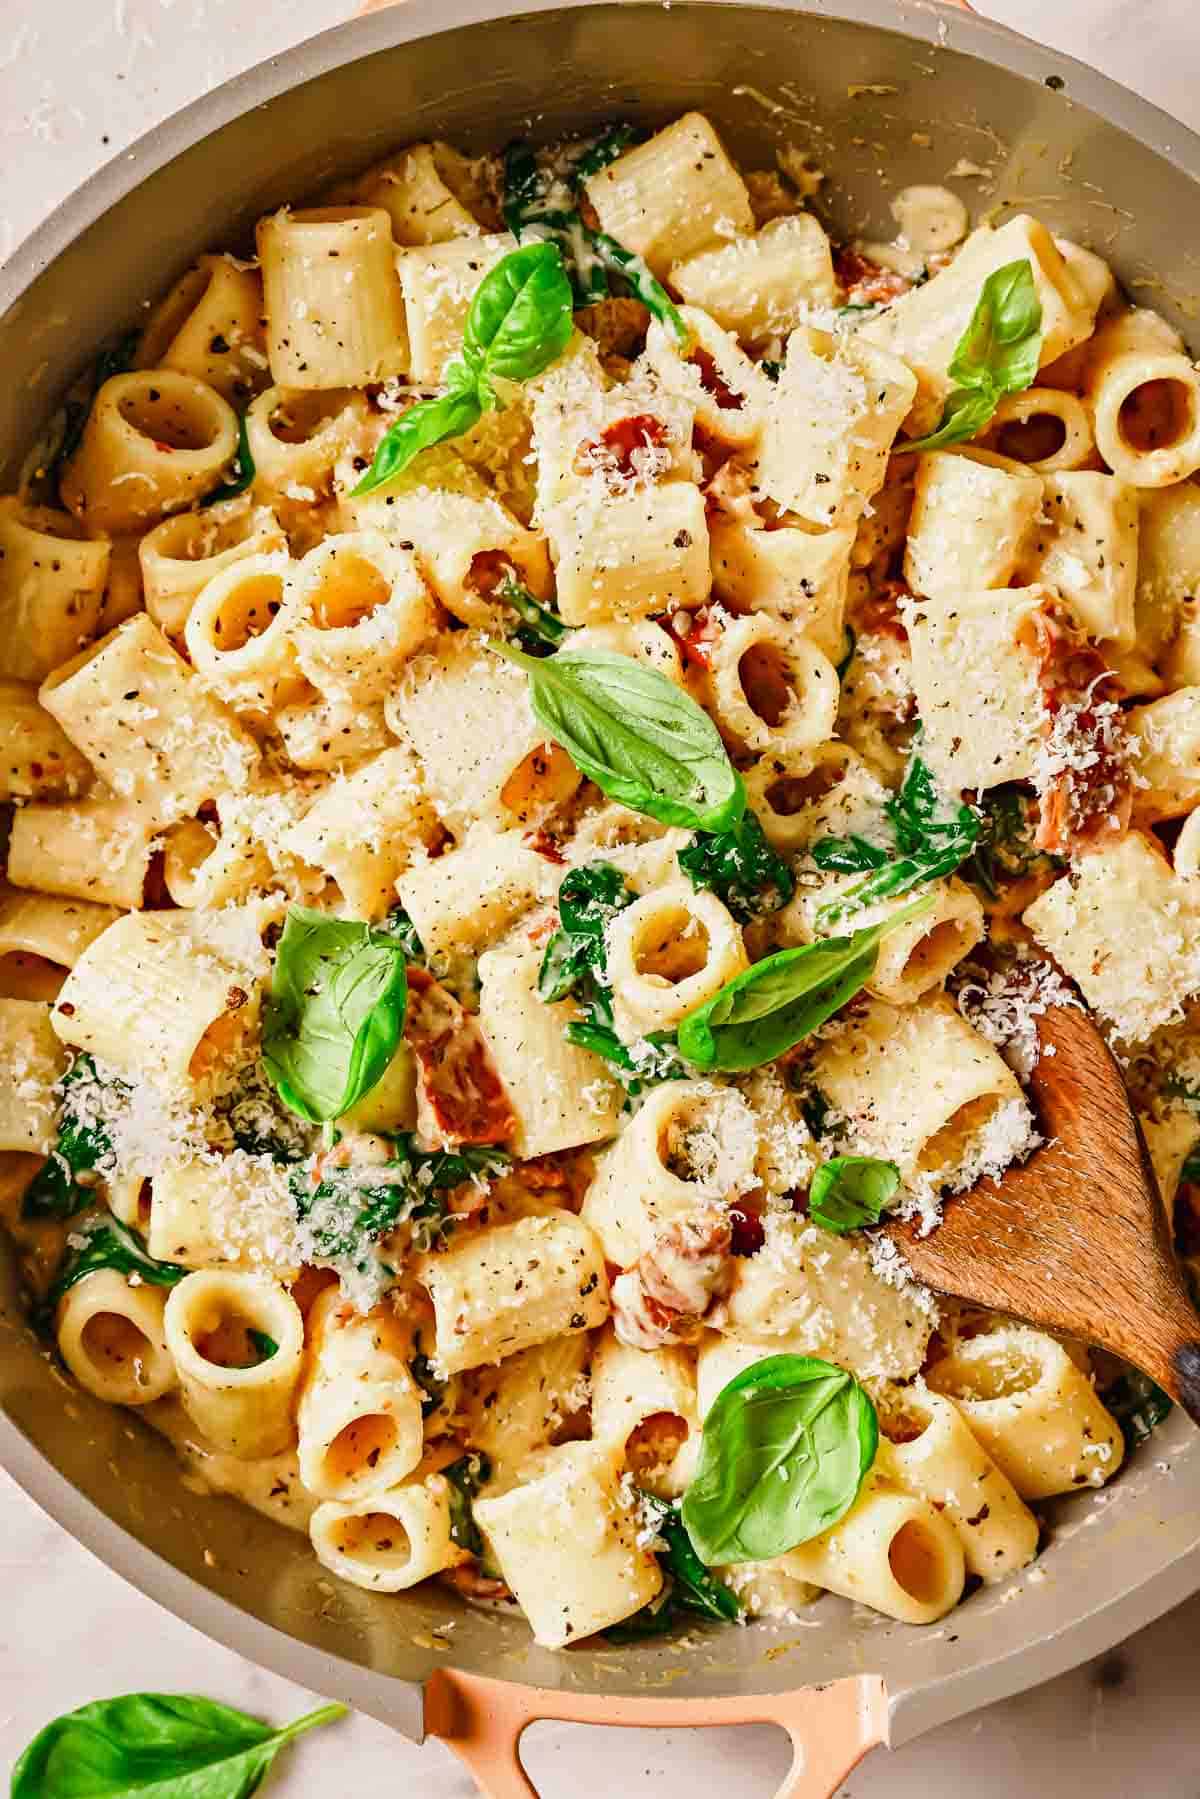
[73,1631]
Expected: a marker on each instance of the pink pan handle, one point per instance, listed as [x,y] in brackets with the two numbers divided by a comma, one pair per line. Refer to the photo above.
[831,1727]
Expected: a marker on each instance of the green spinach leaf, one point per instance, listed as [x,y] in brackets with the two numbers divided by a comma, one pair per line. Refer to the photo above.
[1005,849]
[264,1347]
[400,926]
[540,631]
[350,1209]
[518,323]
[576,962]
[102,1241]
[535,207]
[926,847]
[775,1004]
[740,867]
[786,1447]
[117,360]
[166,1745]
[56,1191]
[1138,1404]
[335,1012]
[849,1192]
[642,739]
[688,1591]
[244,471]
[466,1476]
[999,353]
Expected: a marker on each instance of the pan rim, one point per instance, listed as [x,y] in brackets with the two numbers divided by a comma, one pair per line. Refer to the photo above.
[922,21]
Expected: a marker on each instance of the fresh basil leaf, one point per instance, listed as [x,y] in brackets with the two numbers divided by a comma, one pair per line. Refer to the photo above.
[965,413]
[115,361]
[767,1009]
[102,1241]
[847,656]
[607,147]
[999,353]
[427,423]
[520,319]
[642,739]
[466,1476]
[243,471]
[334,1014]
[166,1745]
[1003,340]
[740,867]
[541,629]
[848,1192]
[644,285]
[786,1447]
[1138,1404]
[56,1190]
[265,1347]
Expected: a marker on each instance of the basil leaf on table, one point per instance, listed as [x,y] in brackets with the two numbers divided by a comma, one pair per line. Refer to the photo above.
[740,867]
[999,353]
[928,847]
[168,1745]
[334,1014]
[786,1447]
[56,1190]
[773,1005]
[466,1476]
[639,737]
[244,471]
[519,321]
[102,1241]
[848,1192]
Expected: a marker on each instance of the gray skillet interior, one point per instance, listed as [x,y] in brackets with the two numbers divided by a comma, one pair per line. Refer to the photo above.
[902,92]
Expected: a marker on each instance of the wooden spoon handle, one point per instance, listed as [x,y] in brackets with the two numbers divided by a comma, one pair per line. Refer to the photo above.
[1186,1368]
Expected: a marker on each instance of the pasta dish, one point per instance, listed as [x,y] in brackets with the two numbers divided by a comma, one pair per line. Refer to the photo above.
[559,729]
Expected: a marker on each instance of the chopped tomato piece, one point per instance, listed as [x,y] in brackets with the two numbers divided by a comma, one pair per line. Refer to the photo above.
[697,634]
[460,1097]
[714,383]
[867,283]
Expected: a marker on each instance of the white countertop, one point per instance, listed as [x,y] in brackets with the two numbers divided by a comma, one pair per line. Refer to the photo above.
[79,79]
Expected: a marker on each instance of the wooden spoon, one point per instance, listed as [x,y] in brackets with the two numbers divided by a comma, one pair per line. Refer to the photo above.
[1077,1238]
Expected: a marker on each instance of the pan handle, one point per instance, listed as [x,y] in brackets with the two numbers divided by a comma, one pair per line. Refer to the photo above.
[832,1727]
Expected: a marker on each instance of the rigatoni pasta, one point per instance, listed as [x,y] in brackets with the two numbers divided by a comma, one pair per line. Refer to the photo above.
[554,761]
